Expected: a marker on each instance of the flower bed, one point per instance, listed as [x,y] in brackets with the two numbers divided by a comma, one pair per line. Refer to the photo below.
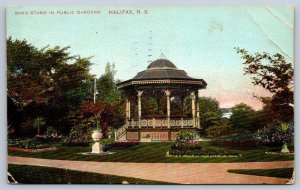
[192,149]
[76,141]
[27,144]
[31,150]
[280,153]
[172,153]
[188,146]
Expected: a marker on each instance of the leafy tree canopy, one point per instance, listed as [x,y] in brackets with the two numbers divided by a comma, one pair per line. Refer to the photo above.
[210,112]
[45,75]
[241,116]
[106,85]
[46,82]
[275,74]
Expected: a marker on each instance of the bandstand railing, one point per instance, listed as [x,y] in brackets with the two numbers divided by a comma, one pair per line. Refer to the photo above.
[160,123]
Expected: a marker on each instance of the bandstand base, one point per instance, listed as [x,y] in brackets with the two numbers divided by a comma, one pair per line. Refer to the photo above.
[157,135]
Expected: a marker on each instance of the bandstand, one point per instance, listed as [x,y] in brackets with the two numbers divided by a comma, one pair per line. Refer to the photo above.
[161,79]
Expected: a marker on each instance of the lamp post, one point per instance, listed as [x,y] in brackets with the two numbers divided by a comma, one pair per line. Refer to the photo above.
[95,89]
[97,147]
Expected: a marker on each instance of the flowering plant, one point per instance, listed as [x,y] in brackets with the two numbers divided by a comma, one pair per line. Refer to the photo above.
[279,133]
[77,137]
[26,143]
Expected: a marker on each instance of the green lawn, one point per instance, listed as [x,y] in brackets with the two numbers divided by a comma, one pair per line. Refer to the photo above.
[45,175]
[279,172]
[155,152]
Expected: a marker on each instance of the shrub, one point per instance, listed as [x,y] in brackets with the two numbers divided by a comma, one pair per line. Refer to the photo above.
[50,132]
[184,136]
[279,133]
[78,137]
[219,129]
[186,146]
[120,145]
[239,136]
[195,149]
[50,136]
[69,141]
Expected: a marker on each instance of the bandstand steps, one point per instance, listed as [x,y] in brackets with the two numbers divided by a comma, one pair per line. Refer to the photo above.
[121,134]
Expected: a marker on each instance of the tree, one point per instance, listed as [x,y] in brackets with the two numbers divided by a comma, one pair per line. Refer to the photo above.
[46,82]
[93,115]
[219,129]
[113,116]
[176,106]
[258,120]
[210,112]
[106,85]
[208,104]
[43,75]
[187,108]
[241,117]
[89,114]
[38,123]
[150,106]
[273,73]
[25,84]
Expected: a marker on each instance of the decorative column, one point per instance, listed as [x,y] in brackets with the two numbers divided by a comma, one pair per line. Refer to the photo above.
[139,94]
[129,108]
[127,112]
[193,108]
[182,110]
[168,93]
[198,112]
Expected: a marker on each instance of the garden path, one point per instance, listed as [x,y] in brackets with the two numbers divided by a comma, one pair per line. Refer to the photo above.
[183,173]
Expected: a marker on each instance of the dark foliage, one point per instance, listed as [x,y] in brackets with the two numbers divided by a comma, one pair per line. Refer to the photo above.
[275,74]
[121,145]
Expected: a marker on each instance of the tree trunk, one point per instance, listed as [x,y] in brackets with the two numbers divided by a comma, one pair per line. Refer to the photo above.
[38,133]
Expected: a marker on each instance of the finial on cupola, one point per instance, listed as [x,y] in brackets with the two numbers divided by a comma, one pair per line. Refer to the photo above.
[162,56]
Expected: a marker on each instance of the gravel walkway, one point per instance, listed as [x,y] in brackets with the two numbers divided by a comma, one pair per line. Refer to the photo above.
[183,173]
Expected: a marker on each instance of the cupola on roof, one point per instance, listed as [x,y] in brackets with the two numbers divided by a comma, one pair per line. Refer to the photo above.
[162,69]
[161,64]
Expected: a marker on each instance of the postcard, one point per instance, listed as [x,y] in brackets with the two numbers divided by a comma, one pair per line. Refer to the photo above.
[150,95]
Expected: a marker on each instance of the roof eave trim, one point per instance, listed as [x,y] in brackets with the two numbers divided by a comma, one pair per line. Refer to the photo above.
[163,81]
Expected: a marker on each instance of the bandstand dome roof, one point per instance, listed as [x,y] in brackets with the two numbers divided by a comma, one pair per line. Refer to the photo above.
[164,71]
[161,63]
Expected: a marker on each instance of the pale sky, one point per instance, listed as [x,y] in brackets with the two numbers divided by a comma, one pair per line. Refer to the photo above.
[199,40]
